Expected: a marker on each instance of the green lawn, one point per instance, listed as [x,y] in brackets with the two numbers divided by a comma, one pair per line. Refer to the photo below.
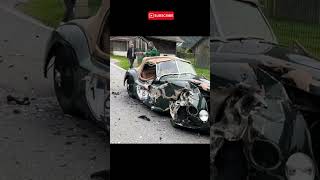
[51,12]
[204,72]
[124,63]
[121,61]
[200,71]
[307,34]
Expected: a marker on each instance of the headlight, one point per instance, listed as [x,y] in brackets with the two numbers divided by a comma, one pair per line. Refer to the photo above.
[300,166]
[203,115]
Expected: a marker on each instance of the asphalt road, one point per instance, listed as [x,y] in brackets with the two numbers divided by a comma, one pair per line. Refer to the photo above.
[127,127]
[38,141]
[22,46]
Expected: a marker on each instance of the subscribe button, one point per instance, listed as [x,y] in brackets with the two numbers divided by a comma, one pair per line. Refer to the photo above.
[161,15]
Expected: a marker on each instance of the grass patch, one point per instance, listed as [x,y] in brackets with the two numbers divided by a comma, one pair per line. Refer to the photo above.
[203,72]
[49,12]
[124,63]
[200,71]
[121,61]
[307,34]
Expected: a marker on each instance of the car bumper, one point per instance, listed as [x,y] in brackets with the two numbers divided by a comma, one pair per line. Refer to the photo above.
[192,122]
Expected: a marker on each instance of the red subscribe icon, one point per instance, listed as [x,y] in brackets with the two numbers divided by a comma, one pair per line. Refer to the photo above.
[161,15]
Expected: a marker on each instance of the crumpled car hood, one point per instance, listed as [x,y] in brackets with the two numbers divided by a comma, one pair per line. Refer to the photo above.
[258,111]
[286,63]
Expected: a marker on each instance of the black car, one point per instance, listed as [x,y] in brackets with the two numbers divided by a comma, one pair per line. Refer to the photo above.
[170,84]
[78,51]
[265,98]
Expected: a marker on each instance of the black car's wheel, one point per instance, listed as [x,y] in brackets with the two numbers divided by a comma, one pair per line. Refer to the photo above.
[64,79]
[129,85]
[69,87]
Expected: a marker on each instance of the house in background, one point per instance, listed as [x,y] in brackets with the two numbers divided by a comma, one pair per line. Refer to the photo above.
[200,47]
[119,44]
[166,45]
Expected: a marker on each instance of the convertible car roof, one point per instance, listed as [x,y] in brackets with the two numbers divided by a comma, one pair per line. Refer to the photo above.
[159,59]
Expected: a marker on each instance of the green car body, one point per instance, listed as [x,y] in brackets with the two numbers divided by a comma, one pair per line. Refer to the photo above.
[184,95]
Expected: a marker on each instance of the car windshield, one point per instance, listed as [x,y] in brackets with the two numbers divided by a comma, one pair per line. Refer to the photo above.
[239,19]
[175,67]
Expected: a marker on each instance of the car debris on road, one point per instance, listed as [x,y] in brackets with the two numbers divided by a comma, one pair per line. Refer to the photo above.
[144,118]
[16,100]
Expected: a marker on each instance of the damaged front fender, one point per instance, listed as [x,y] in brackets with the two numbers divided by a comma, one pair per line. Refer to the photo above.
[190,110]
[266,123]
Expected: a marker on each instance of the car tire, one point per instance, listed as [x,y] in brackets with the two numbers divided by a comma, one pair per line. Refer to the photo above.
[69,84]
[64,79]
[130,87]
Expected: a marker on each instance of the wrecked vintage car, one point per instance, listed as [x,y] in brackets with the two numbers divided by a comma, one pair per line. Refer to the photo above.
[78,51]
[257,133]
[265,96]
[170,84]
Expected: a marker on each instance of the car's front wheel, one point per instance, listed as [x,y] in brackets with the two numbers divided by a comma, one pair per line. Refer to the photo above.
[77,91]
[129,85]
[64,79]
